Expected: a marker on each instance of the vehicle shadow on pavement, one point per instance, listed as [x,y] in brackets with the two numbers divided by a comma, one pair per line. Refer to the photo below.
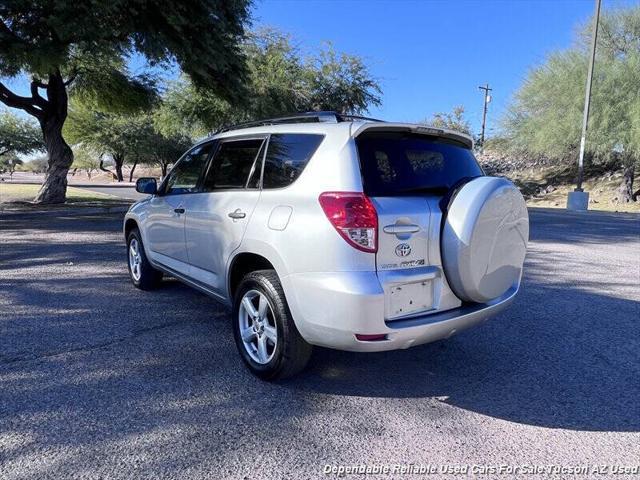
[93,369]
[552,372]
[559,357]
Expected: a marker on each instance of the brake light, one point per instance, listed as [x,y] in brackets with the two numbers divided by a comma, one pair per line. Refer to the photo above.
[354,217]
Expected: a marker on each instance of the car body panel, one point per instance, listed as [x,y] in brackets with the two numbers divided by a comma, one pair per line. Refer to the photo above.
[211,235]
[165,231]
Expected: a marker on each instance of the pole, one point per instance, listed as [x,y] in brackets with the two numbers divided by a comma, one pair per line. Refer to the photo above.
[587,97]
[484,111]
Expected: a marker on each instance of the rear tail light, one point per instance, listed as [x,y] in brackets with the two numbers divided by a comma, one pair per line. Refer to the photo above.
[354,217]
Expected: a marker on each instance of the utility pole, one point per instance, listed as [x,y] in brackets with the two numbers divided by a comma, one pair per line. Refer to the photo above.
[487,99]
[578,199]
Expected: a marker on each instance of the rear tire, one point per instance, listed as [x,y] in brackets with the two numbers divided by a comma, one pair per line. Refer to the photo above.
[142,274]
[265,333]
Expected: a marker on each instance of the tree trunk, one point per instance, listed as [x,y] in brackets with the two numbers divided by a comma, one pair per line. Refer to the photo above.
[54,188]
[135,164]
[163,166]
[119,162]
[105,169]
[625,191]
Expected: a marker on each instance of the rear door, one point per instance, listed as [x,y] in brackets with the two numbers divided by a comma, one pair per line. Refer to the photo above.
[217,217]
[406,175]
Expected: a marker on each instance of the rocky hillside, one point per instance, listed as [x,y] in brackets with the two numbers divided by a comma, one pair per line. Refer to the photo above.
[546,183]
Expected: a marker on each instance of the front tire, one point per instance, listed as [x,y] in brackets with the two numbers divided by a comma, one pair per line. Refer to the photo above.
[142,274]
[265,333]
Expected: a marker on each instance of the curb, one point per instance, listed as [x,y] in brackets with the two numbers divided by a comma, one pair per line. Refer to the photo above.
[67,211]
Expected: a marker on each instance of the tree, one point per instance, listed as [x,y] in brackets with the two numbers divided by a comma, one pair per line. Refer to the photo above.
[545,117]
[124,137]
[9,163]
[340,82]
[280,81]
[18,136]
[162,150]
[85,46]
[117,135]
[86,159]
[453,121]
[37,165]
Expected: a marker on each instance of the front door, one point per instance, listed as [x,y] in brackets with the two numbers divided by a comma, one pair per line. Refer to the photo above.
[217,218]
[166,214]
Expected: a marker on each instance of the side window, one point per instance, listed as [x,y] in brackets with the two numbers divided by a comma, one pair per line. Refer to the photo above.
[232,164]
[184,176]
[287,155]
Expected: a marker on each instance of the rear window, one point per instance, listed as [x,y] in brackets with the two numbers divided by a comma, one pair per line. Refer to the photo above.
[405,164]
[287,155]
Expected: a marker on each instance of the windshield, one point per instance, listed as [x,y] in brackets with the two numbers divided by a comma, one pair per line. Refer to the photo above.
[407,164]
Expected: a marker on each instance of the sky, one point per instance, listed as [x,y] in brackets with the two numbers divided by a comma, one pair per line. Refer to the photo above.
[430,56]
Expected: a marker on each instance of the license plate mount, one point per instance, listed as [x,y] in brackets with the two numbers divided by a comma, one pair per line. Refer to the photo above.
[410,298]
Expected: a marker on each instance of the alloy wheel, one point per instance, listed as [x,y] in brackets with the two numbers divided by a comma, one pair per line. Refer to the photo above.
[257,327]
[135,260]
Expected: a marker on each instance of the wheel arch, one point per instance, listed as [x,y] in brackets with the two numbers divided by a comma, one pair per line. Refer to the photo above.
[242,264]
[129,224]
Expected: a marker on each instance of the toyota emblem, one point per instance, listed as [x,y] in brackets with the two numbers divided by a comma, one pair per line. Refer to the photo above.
[403,250]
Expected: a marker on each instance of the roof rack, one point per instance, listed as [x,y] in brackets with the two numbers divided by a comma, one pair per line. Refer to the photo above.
[305,117]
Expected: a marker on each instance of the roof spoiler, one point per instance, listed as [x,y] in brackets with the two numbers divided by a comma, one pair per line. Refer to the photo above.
[462,138]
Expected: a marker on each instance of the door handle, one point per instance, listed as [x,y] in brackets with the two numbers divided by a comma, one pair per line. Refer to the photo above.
[178,210]
[237,214]
[396,229]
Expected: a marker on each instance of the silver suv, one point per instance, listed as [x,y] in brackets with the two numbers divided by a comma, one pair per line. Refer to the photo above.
[333,230]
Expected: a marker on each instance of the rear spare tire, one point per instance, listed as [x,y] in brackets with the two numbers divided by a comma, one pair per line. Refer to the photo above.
[484,239]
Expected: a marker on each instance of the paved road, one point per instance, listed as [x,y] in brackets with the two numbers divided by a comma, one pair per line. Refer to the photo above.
[98,379]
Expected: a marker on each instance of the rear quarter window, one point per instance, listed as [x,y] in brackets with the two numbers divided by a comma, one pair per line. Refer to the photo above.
[287,156]
[398,163]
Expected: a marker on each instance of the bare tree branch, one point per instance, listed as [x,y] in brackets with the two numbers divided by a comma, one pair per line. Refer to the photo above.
[35,95]
[16,101]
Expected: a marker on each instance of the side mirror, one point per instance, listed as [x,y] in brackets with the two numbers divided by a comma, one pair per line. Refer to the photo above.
[147,185]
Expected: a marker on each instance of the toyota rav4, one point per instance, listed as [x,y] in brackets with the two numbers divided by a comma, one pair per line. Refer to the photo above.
[333,230]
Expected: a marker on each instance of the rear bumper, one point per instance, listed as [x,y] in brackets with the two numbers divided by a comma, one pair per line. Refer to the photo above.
[330,308]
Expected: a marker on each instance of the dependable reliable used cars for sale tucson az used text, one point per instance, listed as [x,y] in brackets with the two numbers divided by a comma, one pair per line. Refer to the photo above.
[333,230]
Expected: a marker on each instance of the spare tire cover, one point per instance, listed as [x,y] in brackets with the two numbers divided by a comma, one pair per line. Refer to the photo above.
[484,239]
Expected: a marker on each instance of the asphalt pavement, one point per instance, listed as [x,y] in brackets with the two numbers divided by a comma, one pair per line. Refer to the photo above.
[100,380]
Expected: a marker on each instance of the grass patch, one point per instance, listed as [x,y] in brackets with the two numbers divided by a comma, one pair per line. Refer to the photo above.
[13,193]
